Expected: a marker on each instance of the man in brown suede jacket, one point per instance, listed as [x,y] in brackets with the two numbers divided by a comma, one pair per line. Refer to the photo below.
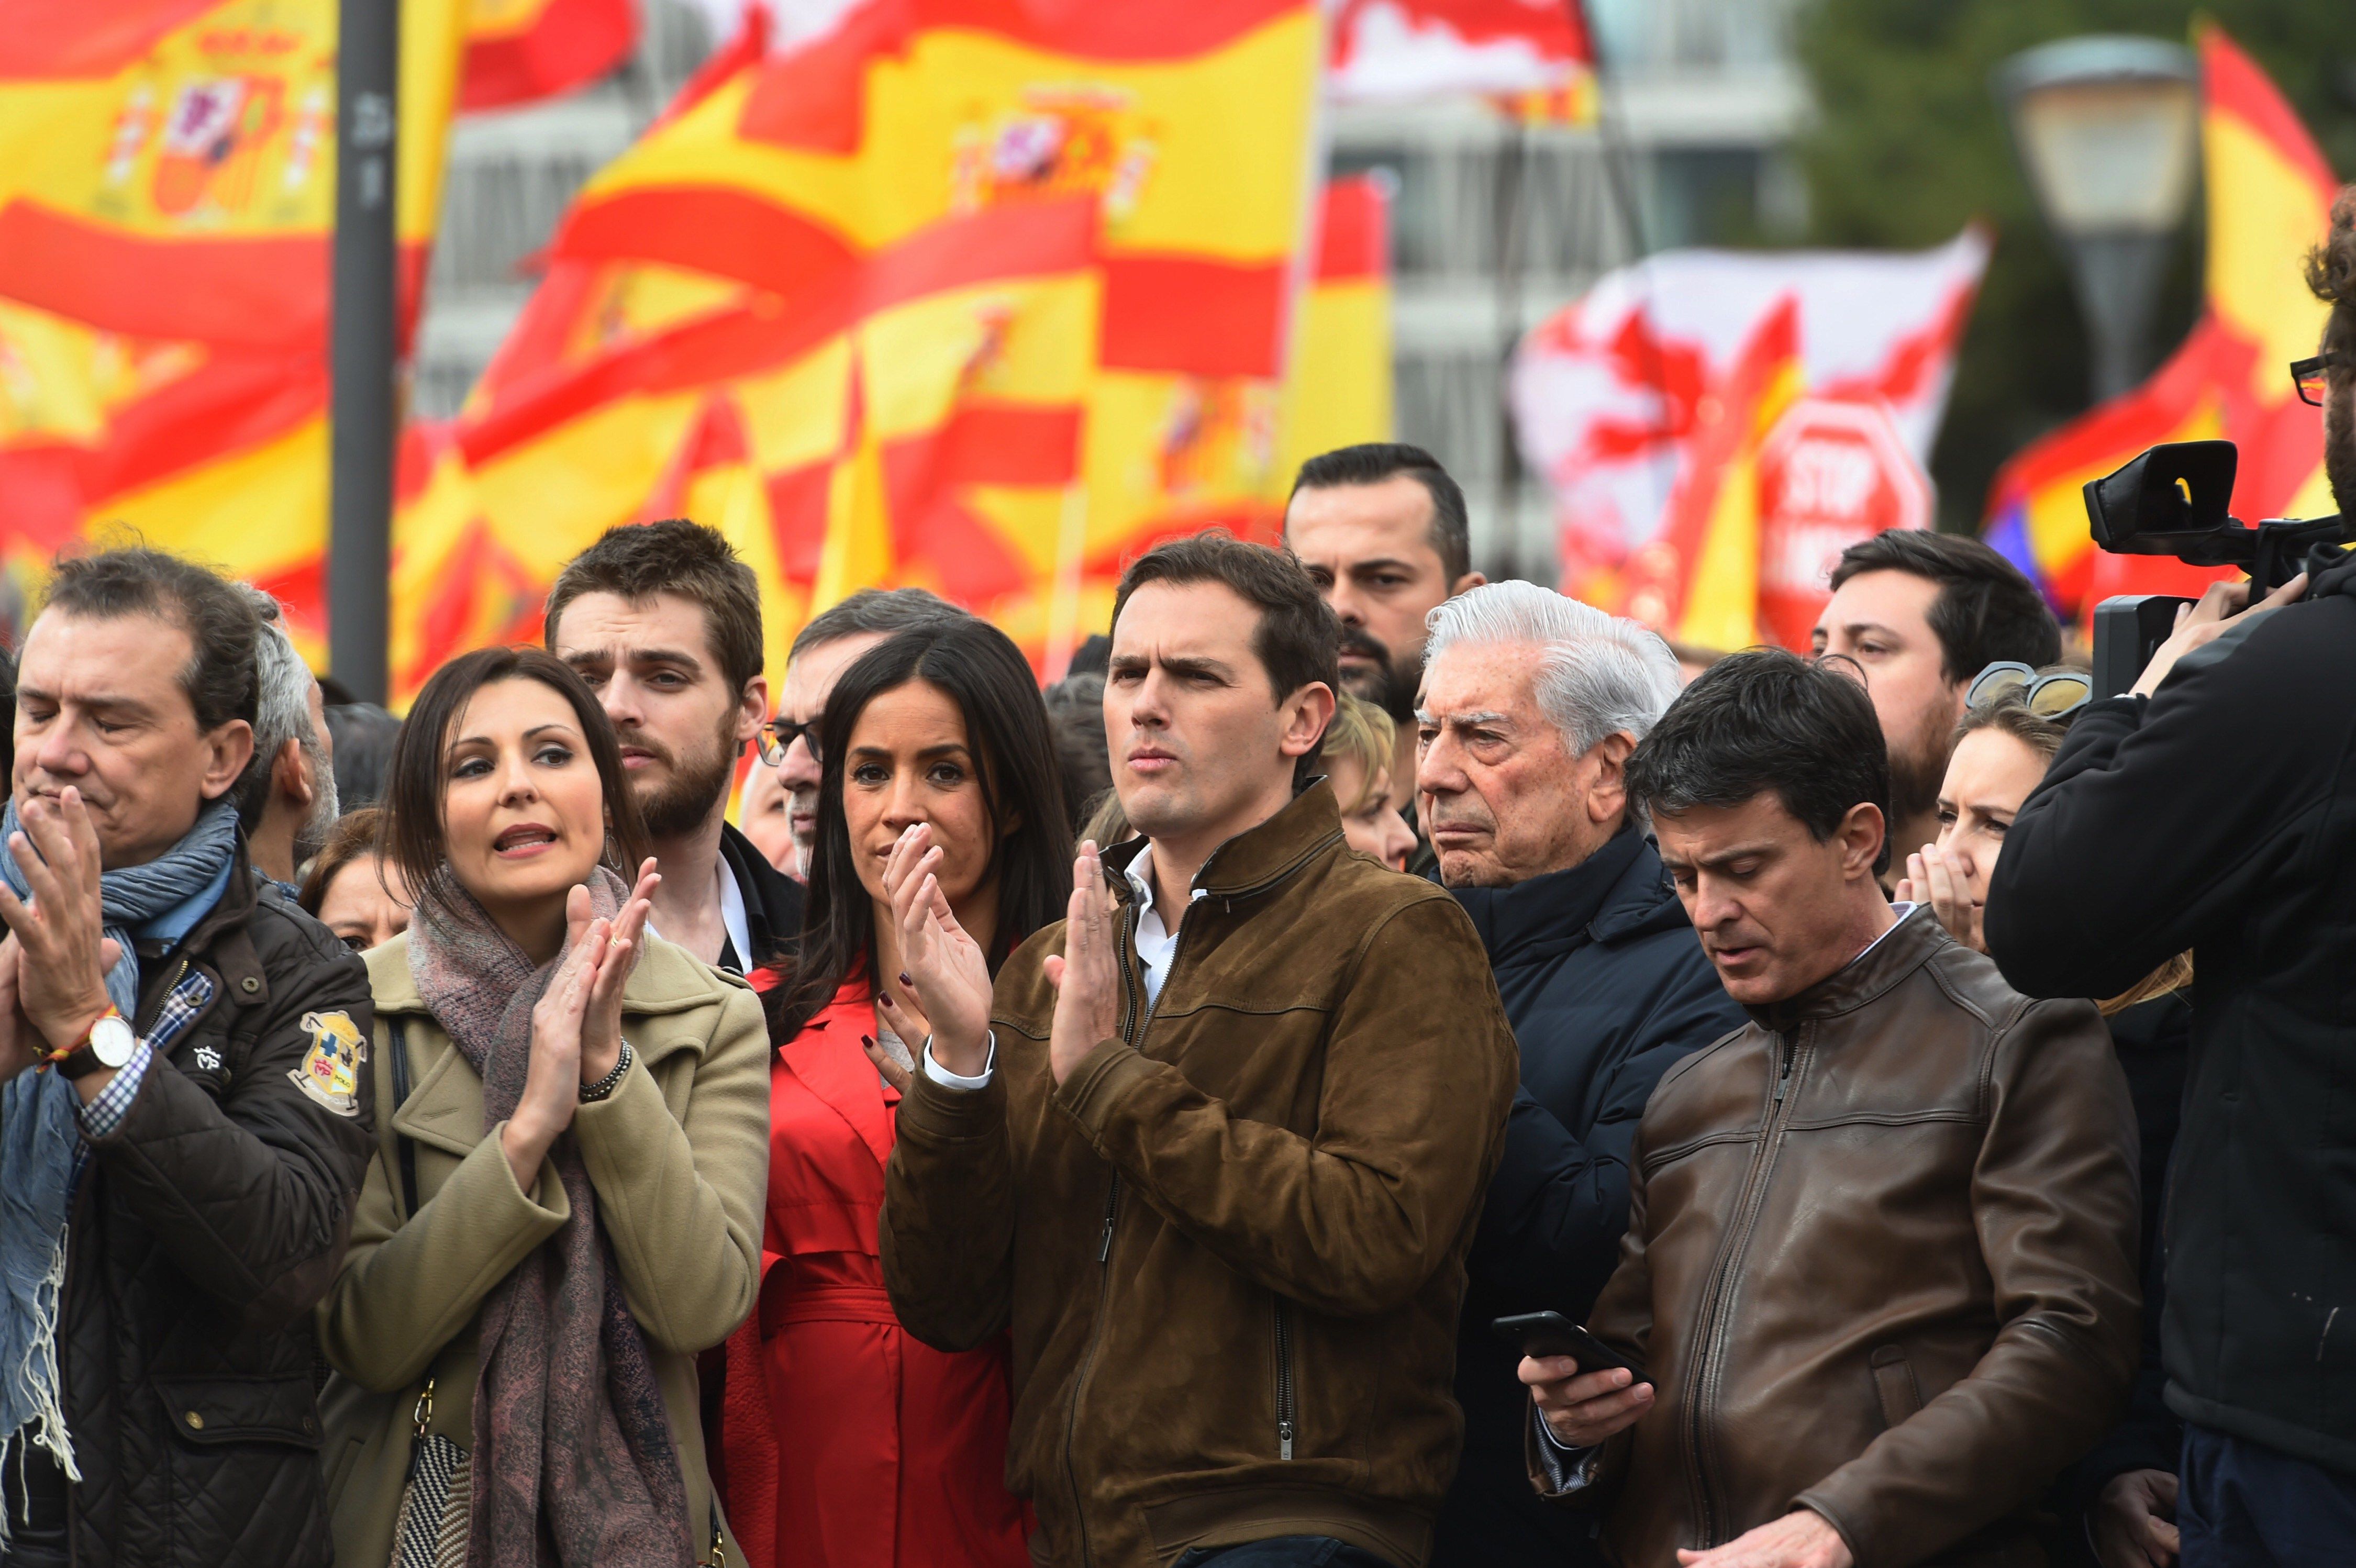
[1214,1150]
[1880,1258]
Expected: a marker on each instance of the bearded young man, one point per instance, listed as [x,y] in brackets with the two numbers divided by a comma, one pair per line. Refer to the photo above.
[1213,1151]
[1381,529]
[1921,614]
[664,622]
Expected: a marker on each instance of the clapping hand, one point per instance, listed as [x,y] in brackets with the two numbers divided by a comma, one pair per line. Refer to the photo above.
[940,964]
[1087,978]
[600,1024]
[61,976]
[552,1085]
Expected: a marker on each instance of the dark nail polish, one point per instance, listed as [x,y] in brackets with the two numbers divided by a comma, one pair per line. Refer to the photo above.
[868,1041]
[884,997]
[906,983]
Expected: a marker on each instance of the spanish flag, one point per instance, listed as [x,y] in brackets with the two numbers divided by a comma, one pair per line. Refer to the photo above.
[2269,202]
[166,193]
[522,50]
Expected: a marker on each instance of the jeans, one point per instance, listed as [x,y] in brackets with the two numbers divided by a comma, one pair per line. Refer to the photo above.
[2244,1504]
[1283,1551]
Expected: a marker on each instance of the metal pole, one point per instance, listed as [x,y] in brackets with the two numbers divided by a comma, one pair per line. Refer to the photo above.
[365,391]
[1512,189]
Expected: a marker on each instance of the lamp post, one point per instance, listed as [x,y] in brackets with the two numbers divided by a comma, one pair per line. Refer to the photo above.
[2107,128]
[364,397]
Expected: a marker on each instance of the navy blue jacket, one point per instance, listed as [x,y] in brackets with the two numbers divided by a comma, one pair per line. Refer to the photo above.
[1607,988]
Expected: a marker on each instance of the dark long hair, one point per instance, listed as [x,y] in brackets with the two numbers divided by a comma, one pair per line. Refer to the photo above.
[983,672]
[412,827]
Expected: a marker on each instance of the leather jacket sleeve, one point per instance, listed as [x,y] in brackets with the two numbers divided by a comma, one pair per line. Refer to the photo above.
[2054,1196]
[252,1195]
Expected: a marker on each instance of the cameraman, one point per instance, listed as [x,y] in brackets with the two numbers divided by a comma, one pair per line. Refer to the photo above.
[2234,751]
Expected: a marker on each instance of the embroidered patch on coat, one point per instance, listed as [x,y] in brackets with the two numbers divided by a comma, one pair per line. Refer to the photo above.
[330,1073]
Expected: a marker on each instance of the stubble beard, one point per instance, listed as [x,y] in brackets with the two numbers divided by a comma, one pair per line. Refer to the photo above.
[1916,771]
[698,782]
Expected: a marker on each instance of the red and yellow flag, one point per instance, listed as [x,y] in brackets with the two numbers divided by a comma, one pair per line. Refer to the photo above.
[522,50]
[166,193]
[1700,576]
[2269,201]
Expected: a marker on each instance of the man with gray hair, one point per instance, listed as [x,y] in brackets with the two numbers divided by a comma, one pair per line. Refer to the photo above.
[287,800]
[1529,707]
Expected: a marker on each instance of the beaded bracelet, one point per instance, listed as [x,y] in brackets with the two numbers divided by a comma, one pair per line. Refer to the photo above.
[592,1092]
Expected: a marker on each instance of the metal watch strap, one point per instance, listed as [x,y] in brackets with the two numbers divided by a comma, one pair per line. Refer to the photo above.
[591,1093]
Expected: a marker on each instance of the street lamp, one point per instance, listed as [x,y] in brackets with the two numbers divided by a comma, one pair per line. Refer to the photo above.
[2107,130]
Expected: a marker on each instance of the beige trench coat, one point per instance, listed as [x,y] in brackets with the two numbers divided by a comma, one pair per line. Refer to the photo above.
[678,1156]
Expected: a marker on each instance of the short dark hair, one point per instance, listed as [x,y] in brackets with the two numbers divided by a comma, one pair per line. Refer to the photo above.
[364,734]
[412,833]
[1986,609]
[220,679]
[887,610]
[1767,719]
[1299,639]
[1372,462]
[1076,724]
[2331,268]
[637,561]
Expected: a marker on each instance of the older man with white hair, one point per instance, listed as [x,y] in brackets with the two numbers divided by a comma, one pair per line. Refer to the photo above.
[1529,707]
[286,801]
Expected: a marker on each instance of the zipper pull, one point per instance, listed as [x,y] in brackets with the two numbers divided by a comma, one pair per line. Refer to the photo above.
[1104,1253]
[1784,1081]
[1284,1440]
[1112,1208]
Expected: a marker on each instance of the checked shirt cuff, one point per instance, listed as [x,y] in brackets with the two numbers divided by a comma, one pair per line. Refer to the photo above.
[103,1114]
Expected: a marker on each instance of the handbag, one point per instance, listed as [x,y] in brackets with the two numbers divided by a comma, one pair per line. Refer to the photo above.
[430,1529]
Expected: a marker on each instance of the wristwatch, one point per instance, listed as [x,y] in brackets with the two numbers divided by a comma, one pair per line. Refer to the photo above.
[108,1046]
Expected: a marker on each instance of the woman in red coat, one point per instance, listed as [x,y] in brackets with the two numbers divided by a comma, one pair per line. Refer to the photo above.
[848,1444]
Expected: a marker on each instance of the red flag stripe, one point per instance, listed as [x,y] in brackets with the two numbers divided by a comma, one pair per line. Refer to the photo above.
[1353,233]
[47,40]
[1188,315]
[573,42]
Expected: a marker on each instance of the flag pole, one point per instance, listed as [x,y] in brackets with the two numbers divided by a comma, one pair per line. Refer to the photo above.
[364,408]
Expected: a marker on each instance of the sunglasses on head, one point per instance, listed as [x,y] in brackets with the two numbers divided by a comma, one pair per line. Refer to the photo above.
[2047,696]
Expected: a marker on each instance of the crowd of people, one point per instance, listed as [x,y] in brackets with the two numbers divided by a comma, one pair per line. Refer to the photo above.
[1374,1069]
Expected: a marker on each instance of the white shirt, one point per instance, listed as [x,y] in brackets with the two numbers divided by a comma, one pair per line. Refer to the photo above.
[1155,945]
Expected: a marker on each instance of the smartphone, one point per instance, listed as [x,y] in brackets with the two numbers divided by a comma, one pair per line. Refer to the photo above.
[1552,1334]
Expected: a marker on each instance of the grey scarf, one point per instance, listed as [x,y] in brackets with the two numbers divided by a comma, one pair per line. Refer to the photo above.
[40,1137]
[573,1460]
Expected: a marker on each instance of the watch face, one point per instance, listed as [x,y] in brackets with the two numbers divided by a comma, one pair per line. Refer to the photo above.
[112,1042]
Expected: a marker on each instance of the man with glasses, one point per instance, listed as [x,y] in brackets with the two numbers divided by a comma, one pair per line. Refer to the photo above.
[1920,615]
[2213,807]
[830,643]
[664,622]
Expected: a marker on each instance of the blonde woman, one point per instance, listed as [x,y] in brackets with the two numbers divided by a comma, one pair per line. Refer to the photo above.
[1358,757]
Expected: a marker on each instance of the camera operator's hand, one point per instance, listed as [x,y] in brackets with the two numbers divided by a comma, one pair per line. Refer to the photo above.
[2205,622]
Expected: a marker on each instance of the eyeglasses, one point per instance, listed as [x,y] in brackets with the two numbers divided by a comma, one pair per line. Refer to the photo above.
[2313,377]
[777,737]
[2047,696]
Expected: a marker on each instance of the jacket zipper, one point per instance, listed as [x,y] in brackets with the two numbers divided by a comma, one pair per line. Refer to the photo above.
[1284,1412]
[1710,1340]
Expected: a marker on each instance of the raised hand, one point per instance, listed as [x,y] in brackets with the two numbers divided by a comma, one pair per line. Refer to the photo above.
[552,1085]
[601,1026]
[61,983]
[1087,978]
[1931,878]
[939,962]
[20,1042]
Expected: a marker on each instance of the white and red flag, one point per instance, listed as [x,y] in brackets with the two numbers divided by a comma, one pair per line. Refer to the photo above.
[1608,395]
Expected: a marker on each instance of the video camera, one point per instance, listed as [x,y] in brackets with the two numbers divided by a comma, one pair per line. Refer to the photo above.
[2172,500]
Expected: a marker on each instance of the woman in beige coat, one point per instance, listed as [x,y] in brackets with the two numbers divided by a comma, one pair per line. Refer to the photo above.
[564,1205]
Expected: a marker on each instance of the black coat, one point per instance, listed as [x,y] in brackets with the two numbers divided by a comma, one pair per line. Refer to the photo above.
[773,901]
[1607,988]
[205,1227]
[2219,815]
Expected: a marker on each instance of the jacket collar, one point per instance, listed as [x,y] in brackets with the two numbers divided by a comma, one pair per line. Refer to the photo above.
[827,1057]
[1258,858]
[1902,949]
[1615,891]
[773,901]
[221,938]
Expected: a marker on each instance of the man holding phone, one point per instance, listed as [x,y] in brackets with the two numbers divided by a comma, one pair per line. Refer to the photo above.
[1880,1260]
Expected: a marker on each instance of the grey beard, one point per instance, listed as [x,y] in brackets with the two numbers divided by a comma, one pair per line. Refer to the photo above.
[312,836]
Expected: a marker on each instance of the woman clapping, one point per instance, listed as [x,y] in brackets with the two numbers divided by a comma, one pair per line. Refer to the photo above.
[571,1123]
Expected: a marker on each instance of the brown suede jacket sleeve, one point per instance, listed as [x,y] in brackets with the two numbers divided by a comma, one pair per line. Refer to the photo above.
[2055,1194]
[948,1228]
[1419,1074]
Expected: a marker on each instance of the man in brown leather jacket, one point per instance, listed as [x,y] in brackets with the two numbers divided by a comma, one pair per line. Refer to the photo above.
[1880,1263]
[1215,1150]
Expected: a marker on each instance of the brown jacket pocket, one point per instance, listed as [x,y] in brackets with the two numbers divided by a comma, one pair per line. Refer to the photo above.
[1893,1383]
